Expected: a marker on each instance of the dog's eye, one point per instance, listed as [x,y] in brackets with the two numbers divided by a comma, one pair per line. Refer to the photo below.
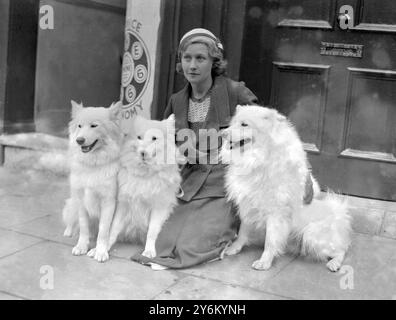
[79,125]
[244,124]
[94,125]
[154,138]
[139,137]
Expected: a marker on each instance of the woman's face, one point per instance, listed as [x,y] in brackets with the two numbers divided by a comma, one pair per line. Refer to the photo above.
[197,64]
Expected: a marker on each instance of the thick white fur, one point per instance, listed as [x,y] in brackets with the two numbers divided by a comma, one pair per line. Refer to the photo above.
[148,184]
[266,179]
[93,176]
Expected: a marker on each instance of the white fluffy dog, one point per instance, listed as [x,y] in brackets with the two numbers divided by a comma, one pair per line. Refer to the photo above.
[266,179]
[148,181]
[94,144]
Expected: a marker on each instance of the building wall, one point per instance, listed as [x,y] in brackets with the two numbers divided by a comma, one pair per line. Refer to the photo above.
[79,59]
[18,64]
[4,9]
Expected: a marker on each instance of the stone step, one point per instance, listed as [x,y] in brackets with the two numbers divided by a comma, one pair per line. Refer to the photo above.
[34,151]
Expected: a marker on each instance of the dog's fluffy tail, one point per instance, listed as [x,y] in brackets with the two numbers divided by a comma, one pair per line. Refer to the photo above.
[323,230]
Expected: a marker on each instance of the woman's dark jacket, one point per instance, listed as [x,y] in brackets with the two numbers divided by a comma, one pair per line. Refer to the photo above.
[207,180]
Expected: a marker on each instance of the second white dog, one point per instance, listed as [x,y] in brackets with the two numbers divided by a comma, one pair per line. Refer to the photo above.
[148,182]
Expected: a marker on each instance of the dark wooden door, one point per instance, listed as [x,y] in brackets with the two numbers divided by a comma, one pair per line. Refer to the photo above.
[337,84]
[223,17]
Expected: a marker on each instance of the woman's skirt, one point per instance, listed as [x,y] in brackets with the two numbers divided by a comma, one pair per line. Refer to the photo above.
[196,232]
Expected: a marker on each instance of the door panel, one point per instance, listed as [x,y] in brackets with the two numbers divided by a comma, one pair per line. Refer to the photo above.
[299,90]
[306,13]
[336,85]
[377,15]
[370,115]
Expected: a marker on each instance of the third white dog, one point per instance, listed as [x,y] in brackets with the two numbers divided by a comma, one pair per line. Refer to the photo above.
[266,179]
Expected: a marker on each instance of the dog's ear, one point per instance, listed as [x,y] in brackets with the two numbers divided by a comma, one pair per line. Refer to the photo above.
[171,118]
[170,124]
[76,108]
[224,133]
[238,108]
[280,117]
[115,110]
[273,115]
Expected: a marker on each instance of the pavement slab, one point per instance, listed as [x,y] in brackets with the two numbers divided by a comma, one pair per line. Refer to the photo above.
[194,288]
[365,274]
[16,210]
[367,220]
[392,264]
[11,242]
[19,207]
[5,296]
[49,227]
[49,271]
[31,183]
[10,178]
[389,225]
[237,270]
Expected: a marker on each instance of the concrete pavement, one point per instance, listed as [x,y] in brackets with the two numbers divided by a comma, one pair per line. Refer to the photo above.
[36,260]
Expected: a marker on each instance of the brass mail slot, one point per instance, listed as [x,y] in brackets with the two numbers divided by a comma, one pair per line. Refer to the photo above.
[341,49]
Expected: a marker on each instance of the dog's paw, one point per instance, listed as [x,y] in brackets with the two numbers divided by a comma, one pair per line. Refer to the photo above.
[333,265]
[149,253]
[235,248]
[100,255]
[261,265]
[68,232]
[91,253]
[79,250]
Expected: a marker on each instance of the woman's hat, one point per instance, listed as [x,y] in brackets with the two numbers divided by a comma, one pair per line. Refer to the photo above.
[200,32]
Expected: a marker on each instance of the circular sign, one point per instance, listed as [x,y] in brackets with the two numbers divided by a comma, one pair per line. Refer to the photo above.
[130,93]
[128,68]
[136,69]
[137,50]
[140,74]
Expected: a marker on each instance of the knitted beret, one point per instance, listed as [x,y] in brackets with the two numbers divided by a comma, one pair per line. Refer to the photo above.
[200,32]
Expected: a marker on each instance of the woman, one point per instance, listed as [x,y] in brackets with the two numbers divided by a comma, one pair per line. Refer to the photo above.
[203,222]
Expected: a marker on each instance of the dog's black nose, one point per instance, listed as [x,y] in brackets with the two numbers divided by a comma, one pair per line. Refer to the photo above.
[80,140]
[143,154]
